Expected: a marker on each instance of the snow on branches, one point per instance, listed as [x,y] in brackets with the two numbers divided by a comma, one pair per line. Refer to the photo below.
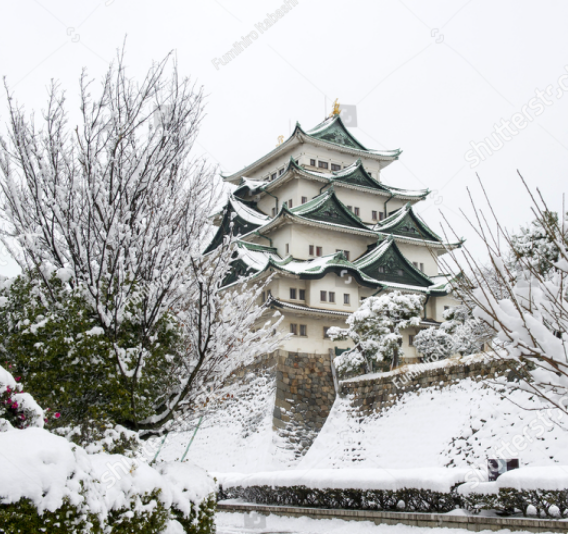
[522,296]
[375,328]
[118,208]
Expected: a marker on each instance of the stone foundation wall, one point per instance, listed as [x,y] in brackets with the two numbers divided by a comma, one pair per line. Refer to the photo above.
[304,396]
[382,391]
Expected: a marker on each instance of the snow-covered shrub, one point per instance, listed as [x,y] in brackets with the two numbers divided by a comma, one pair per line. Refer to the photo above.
[375,328]
[17,408]
[46,480]
[434,344]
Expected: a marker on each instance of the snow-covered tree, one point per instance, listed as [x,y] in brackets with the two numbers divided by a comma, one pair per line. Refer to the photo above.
[526,302]
[434,344]
[375,329]
[117,208]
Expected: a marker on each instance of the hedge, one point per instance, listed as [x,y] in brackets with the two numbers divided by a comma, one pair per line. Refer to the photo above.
[550,504]
[23,518]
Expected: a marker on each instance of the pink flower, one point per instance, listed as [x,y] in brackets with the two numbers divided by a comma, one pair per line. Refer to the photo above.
[22,417]
[8,389]
[45,420]
[57,415]
[18,378]
[15,404]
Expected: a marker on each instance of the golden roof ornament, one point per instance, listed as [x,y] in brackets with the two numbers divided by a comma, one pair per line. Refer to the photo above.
[336,110]
[280,140]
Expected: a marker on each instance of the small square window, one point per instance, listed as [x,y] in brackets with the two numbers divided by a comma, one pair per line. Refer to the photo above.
[274,212]
[273,177]
[280,172]
[331,296]
[346,299]
[323,164]
[319,251]
[415,263]
[411,341]
[346,252]
[374,215]
[290,203]
[313,162]
[303,330]
[304,200]
[335,167]
[323,296]
[422,267]
[311,250]
[381,215]
[446,308]
[325,331]
[294,329]
[350,208]
[357,212]
[287,248]
[293,293]
[302,295]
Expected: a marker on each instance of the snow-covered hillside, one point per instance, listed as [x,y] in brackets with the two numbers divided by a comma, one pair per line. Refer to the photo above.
[456,426]
[236,432]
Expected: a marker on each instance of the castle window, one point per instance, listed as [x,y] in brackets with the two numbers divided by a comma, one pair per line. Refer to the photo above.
[290,203]
[319,251]
[331,296]
[325,332]
[415,263]
[294,329]
[346,299]
[323,296]
[350,208]
[304,330]
[287,248]
[381,215]
[374,215]
[311,250]
[422,267]
[411,341]
[273,177]
[280,172]
[274,212]
[323,165]
[335,167]
[293,293]
[446,308]
[304,200]
[357,212]
[302,294]
[313,162]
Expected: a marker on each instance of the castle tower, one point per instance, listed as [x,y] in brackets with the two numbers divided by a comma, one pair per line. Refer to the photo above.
[315,213]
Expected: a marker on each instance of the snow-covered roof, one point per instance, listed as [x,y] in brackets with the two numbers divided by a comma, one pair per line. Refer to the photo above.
[331,133]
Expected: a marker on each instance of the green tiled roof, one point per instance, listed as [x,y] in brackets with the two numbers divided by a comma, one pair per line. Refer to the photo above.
[404,222]
[328,208]
[387,263]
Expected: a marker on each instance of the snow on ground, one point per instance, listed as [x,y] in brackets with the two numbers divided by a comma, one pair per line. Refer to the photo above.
[236,433]
[239,523]
[457,426]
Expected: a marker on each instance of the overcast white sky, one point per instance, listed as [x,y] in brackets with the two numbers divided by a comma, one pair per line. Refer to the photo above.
[429,77]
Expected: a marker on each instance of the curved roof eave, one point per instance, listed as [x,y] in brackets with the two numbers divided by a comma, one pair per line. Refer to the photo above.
[300,136]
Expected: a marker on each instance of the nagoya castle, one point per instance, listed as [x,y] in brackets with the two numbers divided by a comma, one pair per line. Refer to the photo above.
[317,215]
